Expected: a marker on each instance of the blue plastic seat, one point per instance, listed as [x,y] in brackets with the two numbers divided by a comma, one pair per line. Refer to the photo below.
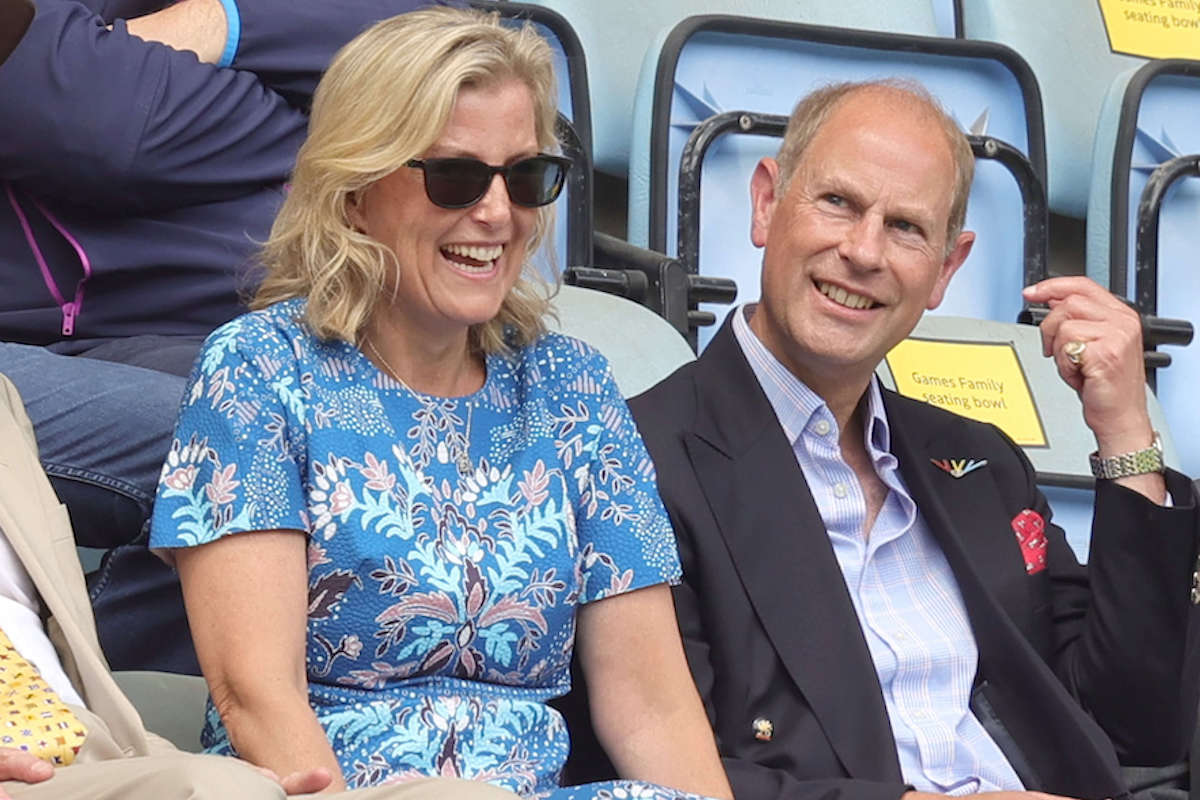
[946,17]
[1151,116]
[1061,463]
[617,34]
[573,211]
[1066,44]
[713,64]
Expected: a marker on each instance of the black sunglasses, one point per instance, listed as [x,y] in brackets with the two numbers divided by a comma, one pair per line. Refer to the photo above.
[462,182]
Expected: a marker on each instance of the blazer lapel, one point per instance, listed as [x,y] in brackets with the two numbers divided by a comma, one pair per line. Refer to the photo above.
[781,550]
[1029,700]
[962,513]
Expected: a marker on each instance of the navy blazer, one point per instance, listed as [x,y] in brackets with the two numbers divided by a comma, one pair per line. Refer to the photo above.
[1075,665]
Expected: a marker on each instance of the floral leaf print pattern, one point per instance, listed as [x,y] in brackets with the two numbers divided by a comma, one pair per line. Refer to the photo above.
[441,613]
[207,511]
[328,590]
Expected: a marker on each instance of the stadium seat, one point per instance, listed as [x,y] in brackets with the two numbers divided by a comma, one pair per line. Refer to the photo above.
[618,35]
[946,18]
[1061,463]
[573,233]
[642,347]
[1066,43]
[1150,125]
[712,65]
[570,64]
[170,705]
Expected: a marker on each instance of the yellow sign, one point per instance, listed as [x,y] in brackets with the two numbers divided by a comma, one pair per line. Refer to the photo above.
[983,381]
[1153,28]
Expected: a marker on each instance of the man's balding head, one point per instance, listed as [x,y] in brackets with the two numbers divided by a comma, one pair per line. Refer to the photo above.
[815,109]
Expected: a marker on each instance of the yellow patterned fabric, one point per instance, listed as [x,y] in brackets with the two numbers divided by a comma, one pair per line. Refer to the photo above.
[32,715]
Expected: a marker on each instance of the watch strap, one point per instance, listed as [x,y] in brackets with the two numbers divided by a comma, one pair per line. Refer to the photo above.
[1139,462]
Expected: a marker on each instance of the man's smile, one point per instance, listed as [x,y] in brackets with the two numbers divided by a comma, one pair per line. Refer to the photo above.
[843,297]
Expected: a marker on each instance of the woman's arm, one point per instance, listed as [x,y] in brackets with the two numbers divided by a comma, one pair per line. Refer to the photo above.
[247,603]
[645,708]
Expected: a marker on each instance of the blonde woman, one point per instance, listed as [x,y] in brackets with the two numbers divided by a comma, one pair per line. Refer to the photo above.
[395,502]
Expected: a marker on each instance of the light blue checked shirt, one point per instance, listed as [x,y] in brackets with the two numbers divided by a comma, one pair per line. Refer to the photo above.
[906,597]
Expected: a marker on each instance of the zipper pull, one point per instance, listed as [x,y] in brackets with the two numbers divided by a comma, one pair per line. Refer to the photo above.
[69,310]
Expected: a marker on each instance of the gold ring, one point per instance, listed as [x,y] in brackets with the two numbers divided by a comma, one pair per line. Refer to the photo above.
[1074,352]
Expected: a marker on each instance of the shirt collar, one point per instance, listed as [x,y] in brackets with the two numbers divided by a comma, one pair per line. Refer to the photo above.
[795,404]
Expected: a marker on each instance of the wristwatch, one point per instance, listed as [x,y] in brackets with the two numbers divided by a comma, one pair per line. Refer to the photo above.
[1139,462]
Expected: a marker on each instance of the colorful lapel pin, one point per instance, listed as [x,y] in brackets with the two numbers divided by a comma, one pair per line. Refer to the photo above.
[957,467]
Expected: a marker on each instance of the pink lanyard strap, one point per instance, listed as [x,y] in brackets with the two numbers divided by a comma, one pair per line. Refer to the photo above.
[69,310]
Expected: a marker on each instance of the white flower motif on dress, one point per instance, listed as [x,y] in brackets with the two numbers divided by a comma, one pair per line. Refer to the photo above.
[330,496]
[441,605]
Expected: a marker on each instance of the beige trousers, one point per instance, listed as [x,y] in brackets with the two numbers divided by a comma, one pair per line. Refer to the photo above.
[103,772]
[188,776]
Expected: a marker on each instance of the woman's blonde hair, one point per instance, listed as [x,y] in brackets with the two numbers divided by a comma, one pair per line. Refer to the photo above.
[385,100]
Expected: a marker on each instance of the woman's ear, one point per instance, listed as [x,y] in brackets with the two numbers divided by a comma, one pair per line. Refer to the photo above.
[355,212]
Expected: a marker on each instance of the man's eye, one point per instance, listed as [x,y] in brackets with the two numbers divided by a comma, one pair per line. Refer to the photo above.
[835,199]
[904,226]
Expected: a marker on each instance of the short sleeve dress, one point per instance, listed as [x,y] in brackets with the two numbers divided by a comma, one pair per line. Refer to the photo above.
[450,540]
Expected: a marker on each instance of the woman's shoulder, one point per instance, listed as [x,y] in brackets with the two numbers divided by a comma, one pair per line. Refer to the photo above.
[563,348]
[555,362]
[284,318]
[276,330]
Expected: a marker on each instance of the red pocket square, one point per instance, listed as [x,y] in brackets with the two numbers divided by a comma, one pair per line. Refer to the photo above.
[1030,529]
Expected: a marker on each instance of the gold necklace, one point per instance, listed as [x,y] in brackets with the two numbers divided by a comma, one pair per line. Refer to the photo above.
[463,460]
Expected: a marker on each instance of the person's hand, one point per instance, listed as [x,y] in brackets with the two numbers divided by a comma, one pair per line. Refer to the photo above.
[308,781]
[1096,342]
[1109,376]
[19,765]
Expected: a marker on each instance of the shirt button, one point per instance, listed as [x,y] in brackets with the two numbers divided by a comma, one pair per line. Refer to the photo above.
[821,427]
[839,490]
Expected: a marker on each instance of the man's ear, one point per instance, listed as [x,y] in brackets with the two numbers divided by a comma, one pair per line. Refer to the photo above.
[763,199]
[958,254]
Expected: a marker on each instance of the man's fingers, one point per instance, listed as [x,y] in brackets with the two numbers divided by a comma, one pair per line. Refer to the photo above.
[1053,289]
[1118,321]
[18,765]
[306,782]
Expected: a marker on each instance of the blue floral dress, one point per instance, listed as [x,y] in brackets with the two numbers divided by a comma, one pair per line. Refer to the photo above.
[449,539]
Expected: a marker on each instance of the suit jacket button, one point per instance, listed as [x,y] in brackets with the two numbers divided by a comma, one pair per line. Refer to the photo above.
[764,730]
[1195,596]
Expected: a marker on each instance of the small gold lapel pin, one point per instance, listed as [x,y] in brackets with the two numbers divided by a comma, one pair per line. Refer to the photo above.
[763,729]
[957,467]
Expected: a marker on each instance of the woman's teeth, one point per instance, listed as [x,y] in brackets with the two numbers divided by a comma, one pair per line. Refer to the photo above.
[473,257]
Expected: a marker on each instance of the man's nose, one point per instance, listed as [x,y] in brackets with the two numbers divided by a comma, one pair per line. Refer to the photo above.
[495,207]
[864,241]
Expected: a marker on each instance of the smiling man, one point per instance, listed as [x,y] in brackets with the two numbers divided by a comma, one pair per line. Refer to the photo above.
[860,623]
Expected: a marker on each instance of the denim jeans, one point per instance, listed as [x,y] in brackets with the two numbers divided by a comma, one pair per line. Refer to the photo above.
[103,430]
